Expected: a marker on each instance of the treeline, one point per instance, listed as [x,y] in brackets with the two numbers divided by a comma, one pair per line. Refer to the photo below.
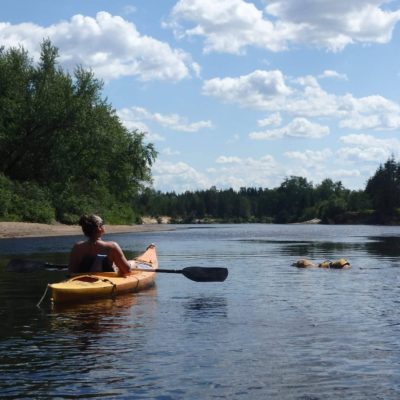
[295,200]
[63,150]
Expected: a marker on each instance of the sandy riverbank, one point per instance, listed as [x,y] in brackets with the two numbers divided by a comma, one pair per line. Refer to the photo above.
[26,229]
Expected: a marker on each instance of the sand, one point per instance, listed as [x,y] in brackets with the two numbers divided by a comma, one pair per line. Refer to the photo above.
[26,229]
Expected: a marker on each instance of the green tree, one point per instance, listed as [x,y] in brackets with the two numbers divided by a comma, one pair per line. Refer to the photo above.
[384,188]
[58,132]
[332,209]
[295,195]
[328,189]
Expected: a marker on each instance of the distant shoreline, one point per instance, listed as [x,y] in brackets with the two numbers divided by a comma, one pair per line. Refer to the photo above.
[10,230]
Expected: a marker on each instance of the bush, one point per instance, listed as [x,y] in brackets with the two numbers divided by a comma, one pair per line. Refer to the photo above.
[6,197]
[24,202]
[32,203]
[121,214]
[332,209]
[96,200]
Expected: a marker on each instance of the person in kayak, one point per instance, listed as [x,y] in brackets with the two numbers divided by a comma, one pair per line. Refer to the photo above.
[95,254]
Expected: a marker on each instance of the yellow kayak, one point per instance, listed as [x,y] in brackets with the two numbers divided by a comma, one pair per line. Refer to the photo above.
[88,286]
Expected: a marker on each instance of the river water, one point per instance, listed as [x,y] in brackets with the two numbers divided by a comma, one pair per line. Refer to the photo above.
[270,331]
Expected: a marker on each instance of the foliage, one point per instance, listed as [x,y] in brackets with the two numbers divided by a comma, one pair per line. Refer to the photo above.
[56,132]
[384,189]
[24,201]
[295,200]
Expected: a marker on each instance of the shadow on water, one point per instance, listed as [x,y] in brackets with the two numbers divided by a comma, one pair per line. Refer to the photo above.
[388,246]
[376,246]
[205,307]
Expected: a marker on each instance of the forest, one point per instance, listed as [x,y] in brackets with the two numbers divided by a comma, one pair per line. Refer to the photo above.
[295,200]
[64,152]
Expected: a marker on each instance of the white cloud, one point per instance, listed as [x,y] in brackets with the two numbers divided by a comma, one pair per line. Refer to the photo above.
[270,91]
[226,25]
[172,121]
[333,74]
[259,89]
[170,152]
[273,119]
[311,158]
[108,44]
[228,160]
[229,172]
[154,137]
[345,173]
[371,112]
[368,148]
[355,160]
[317,165]
[237,172]
[299,127]
[304,97]
[180,176]
[132,123]
[129,9]
[232,25]
[335,24]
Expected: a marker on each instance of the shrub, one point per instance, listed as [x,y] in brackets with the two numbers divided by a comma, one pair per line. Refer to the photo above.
[24,201]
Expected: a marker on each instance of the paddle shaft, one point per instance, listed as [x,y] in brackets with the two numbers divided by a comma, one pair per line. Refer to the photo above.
[197,274]
[168,271]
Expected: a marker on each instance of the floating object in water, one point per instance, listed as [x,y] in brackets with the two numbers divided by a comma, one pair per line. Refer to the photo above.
[304,263]
[341,263]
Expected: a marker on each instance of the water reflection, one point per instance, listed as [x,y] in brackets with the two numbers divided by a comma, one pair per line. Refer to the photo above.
[94,317]
[376,246]
[103,308]
[72,353]
[269,332]
[388,246]
[100,318]
[205,307]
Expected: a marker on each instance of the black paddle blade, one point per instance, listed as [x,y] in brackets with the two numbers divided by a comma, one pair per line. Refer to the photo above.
[202,274]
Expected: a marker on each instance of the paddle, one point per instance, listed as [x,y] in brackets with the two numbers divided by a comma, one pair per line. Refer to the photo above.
[197,274]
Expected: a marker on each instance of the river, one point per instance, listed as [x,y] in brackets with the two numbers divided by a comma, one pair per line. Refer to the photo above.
[270,331]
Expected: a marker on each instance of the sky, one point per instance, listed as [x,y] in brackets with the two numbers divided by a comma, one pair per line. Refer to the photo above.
[236,93]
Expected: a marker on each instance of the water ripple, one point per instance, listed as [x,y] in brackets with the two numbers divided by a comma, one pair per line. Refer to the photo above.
[269,331]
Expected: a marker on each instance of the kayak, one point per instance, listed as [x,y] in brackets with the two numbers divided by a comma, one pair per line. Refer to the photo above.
[97,285]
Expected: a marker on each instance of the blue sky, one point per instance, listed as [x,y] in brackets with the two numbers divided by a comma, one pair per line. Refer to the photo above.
[236,93]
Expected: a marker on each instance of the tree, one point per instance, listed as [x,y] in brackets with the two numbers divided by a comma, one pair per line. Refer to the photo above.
[57,131]
[295,195]
[384,188]
[328,189]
